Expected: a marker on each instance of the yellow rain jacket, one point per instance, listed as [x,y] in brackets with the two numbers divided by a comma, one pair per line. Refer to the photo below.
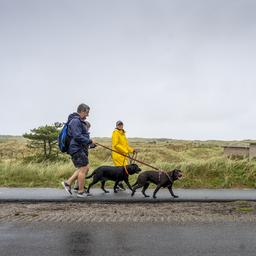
[120,144]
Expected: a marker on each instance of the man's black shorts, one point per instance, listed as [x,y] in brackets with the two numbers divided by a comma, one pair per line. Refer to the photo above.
[80,159]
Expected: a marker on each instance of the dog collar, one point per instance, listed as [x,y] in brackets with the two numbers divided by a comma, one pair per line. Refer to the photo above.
[160,172]
[168,176]
[125,169]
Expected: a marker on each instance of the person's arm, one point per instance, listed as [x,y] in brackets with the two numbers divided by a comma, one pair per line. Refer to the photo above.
[116,145]
[128,148]
[76,133]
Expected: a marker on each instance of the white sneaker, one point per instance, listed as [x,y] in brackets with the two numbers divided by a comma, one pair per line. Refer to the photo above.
[81,194]
[66,187]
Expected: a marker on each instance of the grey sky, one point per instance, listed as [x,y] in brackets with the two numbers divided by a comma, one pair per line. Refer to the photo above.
[175,69]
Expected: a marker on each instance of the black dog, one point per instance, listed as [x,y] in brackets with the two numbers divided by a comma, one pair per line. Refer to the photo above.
[115,173]
[161,179]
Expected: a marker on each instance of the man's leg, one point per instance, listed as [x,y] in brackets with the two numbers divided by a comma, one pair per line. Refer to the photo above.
[82,172]
[72,178]
[67,184]
[80,160]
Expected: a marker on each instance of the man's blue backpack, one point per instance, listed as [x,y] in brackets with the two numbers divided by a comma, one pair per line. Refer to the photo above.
[64,139]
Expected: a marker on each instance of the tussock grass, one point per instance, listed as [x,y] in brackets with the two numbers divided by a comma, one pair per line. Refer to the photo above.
[18,174]
[202,163]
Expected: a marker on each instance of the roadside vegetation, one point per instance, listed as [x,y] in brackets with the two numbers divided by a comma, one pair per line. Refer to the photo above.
[202,162]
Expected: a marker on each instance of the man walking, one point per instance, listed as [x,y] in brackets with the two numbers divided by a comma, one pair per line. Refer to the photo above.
[78,148]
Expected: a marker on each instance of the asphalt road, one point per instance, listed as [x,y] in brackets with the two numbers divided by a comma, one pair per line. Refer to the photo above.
[128,239]
[185,195]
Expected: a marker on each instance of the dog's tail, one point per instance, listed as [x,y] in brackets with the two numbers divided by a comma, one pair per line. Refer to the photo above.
[88,177]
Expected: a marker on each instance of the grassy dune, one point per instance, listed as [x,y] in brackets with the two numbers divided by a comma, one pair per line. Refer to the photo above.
[202,163]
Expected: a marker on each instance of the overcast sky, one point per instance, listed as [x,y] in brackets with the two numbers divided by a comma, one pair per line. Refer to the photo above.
[173,69]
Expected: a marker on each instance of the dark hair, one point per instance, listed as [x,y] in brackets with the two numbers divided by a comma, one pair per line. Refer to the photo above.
[119,123]
[83,108]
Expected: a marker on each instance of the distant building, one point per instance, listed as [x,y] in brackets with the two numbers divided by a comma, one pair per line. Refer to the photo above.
[252,151]
[238,151]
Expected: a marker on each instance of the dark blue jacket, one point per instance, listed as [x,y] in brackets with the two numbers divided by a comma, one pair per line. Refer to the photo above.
[80,137]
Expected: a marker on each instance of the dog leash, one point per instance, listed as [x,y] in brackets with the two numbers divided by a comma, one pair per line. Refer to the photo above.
[134,156]
[135,160]
[126,171]
[131,158]
[168,176]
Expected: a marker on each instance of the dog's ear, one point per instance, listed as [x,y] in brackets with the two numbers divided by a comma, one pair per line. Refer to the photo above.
[131,167]
[174,172]
[134,166]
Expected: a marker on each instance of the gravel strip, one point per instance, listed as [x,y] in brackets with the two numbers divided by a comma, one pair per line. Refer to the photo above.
[114,213]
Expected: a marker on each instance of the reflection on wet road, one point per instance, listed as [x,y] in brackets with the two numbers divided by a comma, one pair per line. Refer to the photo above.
[127,239]
[78,243]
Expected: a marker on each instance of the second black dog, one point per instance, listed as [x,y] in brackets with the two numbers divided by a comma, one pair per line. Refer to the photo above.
[161,179]
[114,173]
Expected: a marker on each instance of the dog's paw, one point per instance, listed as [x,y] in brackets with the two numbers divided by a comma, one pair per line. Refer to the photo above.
[115,191]
[147,196]
[106,191]
[175,196]
[154,197]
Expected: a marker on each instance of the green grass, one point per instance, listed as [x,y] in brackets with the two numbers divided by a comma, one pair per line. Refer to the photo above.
[245,209]
[202,163]
[18,174]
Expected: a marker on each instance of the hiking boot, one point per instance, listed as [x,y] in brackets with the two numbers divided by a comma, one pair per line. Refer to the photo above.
[76,188]
[66,187]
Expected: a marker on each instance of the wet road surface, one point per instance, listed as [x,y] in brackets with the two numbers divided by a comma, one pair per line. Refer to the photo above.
[127,239]
[185,195]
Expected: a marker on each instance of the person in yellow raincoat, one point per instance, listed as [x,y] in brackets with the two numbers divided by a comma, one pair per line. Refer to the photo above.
[120,144]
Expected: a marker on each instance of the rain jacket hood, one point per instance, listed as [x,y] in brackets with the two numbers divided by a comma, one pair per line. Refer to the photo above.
[73,115]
